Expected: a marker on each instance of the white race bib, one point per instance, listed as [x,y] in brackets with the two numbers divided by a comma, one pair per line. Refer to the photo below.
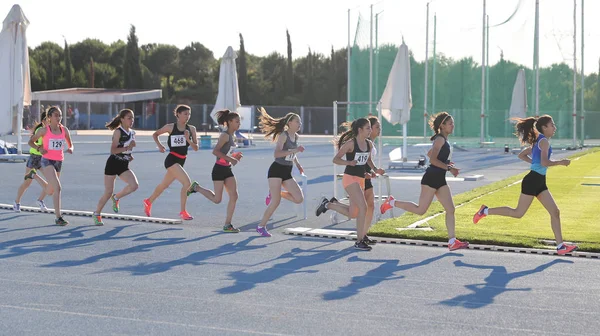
[361,158]
[56,144]
[178,140]
[290,157]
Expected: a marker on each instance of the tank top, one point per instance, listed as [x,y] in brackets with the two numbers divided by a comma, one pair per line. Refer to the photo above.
[373,155]
[177,142]
[287,145]
[361,157]
[54,144]
[125,139]
[227,149]
[444,155]
[536,156]
[38,142]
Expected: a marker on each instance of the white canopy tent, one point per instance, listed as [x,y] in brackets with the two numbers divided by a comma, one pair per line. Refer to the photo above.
[396,100]
[15,81]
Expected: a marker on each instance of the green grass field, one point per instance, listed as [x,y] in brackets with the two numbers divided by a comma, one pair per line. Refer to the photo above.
[579,205]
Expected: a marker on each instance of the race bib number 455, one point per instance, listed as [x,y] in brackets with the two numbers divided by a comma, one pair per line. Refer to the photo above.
[56,144]
[178,140]
[361,158]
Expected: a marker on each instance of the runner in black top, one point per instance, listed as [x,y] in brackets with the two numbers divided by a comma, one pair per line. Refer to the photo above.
[284,131]
[117,164]
[433,182]
[181,135]
[356,146]
[222,174]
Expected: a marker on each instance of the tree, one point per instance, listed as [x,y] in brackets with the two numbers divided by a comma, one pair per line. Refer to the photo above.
[132,71]
[242,72]
[68,67]
[161,61]
[289,74]
[196,62]
[81,52]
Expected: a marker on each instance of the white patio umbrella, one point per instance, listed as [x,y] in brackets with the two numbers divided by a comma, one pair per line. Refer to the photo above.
[518,104]
[396,101]
[229,93]
[14,69]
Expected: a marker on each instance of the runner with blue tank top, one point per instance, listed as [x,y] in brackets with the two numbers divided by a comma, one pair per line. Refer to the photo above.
[117,164]
[222,174]
[433,182]
[536,133]
[181,136]
[284,131]
[34,163]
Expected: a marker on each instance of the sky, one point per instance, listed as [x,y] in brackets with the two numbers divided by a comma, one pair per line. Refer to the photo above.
[319,25]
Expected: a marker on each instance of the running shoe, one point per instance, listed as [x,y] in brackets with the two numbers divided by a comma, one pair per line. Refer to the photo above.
[17,207]
[458,245]
[185,215]
[263,231]
[42,205]
[115,202]
[30,174]
[97,220]
[322,207]
[387,205]
[565,249]
[362,245]
[60,221]
[192,188]
[147,207]
[229,228]
[479,214]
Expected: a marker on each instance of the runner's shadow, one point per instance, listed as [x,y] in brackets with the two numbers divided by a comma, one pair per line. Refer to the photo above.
[384,272]
[298,261]
[195,259]
[495,284]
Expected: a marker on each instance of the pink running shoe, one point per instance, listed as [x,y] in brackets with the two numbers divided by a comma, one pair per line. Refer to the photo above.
[263,231]
[147,207]
[458,245]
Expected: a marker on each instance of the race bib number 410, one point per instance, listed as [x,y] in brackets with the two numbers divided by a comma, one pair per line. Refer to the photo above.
[178,140]
[361,158]
[56,144]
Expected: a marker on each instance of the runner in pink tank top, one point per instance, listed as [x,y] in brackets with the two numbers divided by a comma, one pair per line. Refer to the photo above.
[55,138]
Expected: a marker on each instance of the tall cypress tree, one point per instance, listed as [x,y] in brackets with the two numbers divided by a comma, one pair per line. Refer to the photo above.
[290,67]
[132,70]
[68,67]
[242,72]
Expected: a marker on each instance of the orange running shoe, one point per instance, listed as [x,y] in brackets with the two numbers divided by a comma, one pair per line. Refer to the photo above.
[479,214]
[387,205]
[565,249]
[458,245]
[147,207]
[185,215]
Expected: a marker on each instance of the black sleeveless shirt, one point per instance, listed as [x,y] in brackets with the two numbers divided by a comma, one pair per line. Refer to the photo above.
[443,156]
[124,141]
[177,141]
[361,157]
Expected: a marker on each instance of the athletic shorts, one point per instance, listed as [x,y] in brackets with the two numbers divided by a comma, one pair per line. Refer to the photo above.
[277,170]
[221,173]
[368,184]
[56,164]
[347,180]
[34,161]
[533,184]
[115,166]
[434,179]
[172,159]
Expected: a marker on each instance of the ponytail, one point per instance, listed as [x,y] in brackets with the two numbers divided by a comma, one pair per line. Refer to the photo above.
[527,129]
[436,121]
[352,131]
[272,127]
[116,122]
[225,116]
[41,123]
